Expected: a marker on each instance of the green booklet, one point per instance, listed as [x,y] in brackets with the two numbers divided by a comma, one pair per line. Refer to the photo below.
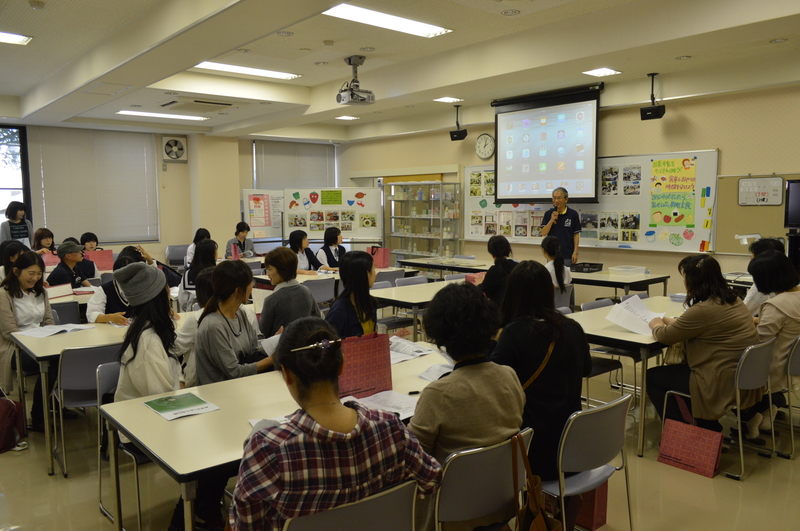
[177,406]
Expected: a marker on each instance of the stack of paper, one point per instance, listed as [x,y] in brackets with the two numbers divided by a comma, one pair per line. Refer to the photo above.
[391,401]
[177,406]
[633,315]
[51,330]
[270,344]
[401,349]
[434,372]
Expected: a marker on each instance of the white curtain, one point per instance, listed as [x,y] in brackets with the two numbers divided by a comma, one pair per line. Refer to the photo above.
[280,165]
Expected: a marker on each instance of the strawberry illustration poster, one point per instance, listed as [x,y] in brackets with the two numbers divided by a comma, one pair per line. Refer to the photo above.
[357,212]
[672,192]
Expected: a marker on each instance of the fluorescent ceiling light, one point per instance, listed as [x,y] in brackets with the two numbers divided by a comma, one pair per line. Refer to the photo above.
[448,99]
[235,69]
[345,117]
[163,115]
[602,72]
[13,38]
[386,21]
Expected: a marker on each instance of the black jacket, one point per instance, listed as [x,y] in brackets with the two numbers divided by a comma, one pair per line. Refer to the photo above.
[494,283]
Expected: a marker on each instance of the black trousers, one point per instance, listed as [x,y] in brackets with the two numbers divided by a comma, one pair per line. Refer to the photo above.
[673,378]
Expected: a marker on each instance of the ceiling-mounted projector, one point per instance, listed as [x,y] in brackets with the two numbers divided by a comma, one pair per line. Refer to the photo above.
[351,93]
[653,111]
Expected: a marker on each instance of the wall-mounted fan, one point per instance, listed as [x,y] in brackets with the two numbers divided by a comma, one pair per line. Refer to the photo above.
[173,149]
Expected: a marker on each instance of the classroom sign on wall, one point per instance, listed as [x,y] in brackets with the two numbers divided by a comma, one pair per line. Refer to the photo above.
[355,211]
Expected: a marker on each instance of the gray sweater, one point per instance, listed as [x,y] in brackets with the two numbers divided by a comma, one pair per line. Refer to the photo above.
[221,353]
[290,301]
[5,230]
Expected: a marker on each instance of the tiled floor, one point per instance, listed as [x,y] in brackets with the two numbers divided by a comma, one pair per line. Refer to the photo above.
[664,498]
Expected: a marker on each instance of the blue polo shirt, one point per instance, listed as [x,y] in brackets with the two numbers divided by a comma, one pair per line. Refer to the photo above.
[564,229]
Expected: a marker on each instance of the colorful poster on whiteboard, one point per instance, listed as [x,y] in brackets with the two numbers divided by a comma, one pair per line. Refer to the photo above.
[262,210]
[357,212]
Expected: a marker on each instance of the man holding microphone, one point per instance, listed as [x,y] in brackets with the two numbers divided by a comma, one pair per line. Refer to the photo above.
[565,224]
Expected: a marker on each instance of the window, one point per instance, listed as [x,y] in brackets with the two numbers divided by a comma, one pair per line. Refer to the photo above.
[105,182]
[13,168]
[280,165]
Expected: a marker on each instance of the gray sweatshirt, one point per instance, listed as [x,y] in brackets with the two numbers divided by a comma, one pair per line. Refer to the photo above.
[290,301]
[222,346]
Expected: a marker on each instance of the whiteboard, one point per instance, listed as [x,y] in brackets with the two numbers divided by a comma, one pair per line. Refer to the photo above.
[357,212]
[661,202]
[760,191]
[263,211]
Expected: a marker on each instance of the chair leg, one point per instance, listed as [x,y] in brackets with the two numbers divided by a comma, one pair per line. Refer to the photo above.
[63,446]
[627,488]
[771,420]
[138,493]
[563,510]
[739,476]
[622,377]
[791,421]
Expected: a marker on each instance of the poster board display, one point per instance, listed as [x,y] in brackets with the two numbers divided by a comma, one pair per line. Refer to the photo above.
[358,212]
[660,202]
[263,211]
[757,191]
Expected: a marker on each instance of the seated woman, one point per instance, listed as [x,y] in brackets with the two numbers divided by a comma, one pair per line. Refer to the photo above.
[43,241]
[71,269]
[241,241]
[227,344]
[307,263]
[109,304]
[332,251]
[716,327]
[199,235]
[494,283]
[327,453]
[205,256]
[355,312]
[560,274]
[23,305]
[779,317]
[9,252]
[753,299]
[463,321]
[16,227]
[89,241]
[531,325]
[290,300]
[187,333]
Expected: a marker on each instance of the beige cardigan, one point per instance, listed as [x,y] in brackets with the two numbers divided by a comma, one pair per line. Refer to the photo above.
[8,324]
[715,336]
[780,318]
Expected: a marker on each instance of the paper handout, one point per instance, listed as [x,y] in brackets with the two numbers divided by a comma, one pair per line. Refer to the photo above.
[177,406]
[401,349]
[392,401]
[633,315]
[51,330]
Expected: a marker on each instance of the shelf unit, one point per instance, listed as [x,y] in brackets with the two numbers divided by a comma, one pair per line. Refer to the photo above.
[423,219]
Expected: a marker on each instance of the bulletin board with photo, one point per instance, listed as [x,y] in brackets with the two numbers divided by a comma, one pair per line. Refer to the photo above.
[357,212]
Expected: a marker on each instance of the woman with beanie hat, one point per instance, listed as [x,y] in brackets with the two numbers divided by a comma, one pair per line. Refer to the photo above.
[147,368]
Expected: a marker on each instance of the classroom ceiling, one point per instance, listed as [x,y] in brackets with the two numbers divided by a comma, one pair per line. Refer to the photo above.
[93,58]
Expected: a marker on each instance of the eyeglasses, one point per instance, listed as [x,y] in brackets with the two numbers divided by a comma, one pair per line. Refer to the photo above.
[324,344]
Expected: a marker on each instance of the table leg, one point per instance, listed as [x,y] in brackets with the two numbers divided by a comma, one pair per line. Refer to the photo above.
[188,493]
[44,365]
[21,382]
[643,353]
[627,288]
[414,312]
[665,286]
[113,455]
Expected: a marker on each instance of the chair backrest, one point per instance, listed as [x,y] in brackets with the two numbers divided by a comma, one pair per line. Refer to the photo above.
[382,285]
[456,276]
[95,281]
[752,372]
[68,312]
[641,294]
[564,310]
[464,256]
[322,290]
[478,481]
[411,281]
[78,368]
[591,305]
[107,375]
[389,276]
[255,266]
[593,437]
[176,254]
[562,299]
[56,317]
[793,365]
[389,510]
[106,277]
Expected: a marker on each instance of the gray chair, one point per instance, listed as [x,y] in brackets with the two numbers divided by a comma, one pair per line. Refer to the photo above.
[591,439]
[456,276]
[56,317]
[255,266]
[106,277]
[478,482]
[176,254]
[593,305]
[604,365]
[389,276]
[411,281]
[389,510]
[564,310]
[323,291]
[565,298]
[792,369]
[68,312]
[76,386]
[95,282]
[641,294]
[383,284]
[393,322]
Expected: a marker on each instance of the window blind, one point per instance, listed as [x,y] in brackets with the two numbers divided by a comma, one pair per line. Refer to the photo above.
[280,165]
[105,182]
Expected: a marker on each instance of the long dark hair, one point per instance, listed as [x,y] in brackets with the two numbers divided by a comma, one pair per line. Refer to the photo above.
[331,237]
[24,261]
[200,235]
[8,249]
[40,235]
[296,238]
[530,293]
[154,314]
[228,276]
[552,247]
[703,278]
[354,269]
[311,365]
[205,255]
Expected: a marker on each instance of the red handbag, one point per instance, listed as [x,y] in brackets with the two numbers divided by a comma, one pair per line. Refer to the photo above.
[689,447]
[380,256]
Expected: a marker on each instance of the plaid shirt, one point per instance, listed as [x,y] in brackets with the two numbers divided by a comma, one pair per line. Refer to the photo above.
[300,467]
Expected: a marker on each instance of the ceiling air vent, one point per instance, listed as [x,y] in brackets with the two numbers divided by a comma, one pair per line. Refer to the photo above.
[194,106]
